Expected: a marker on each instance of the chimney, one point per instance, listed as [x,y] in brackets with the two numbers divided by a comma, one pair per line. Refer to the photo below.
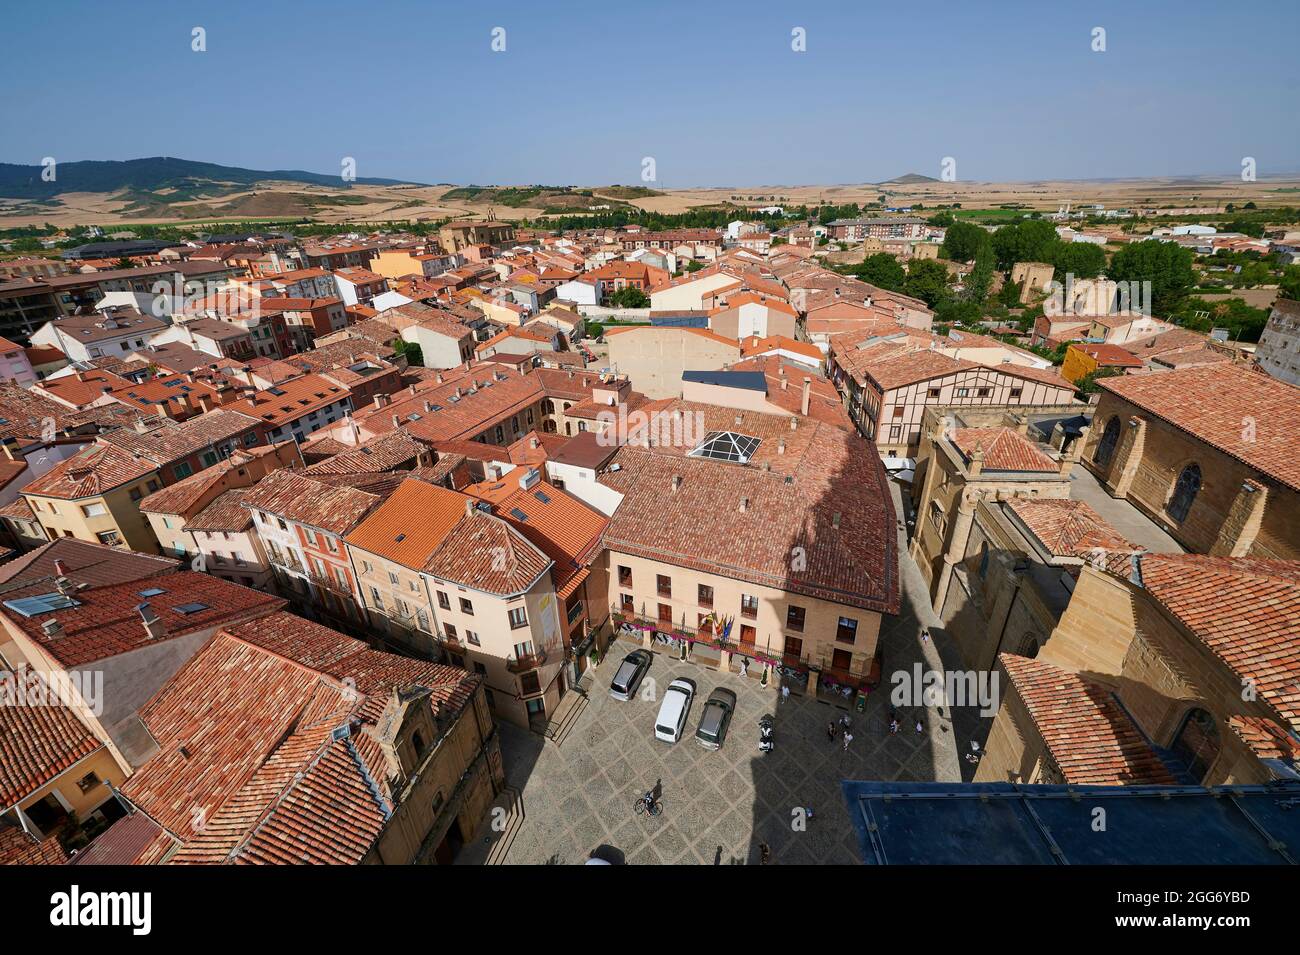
[784,380]
[397,421]
[152,624]
[794,423]
[65,585]
[469,507]
[412,390]
[780,446]
[835,520]
[140,426]
[677,481]
[535,442]
[380,400]
[744,504]
[428,406]
[60,568]
[807,392]
[439,377]
[976,464]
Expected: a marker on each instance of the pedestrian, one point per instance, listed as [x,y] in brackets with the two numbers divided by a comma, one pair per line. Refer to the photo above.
[893,725]
[764,853]
[925,635]
[830,731]
[845,721]
[919,727]
[848,738]
[785,693]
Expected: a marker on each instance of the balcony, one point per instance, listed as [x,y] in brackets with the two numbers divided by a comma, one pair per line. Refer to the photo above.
[330,583]
[289,561]
[642,621]
[525,663]
[451,643]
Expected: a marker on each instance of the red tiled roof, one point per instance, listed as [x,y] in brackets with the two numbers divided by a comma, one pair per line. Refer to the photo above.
[1246,611]
[40,737]
[1004,449]
[105,622]
[19,848]
[90,473]
[1068,528]
[1090,737]
[335,508]
[1244,414]
[83,563]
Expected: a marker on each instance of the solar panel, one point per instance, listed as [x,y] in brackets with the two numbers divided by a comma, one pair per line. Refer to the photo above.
[42,603]
[726,446]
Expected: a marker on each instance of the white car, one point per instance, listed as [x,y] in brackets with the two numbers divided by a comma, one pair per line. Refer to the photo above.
[671,721]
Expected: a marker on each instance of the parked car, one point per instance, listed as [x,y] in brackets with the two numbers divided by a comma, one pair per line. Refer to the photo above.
[715,718]
[628,675]
[671,721]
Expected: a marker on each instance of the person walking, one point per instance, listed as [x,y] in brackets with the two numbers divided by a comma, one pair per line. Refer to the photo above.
[920,727]
[830,731]
[764,853]
[848,738]
[785,693]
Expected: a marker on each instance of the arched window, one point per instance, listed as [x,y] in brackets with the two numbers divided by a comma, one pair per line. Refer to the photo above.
[1185,490]
[418,742]
[1029,645]
[1197,743]
[984,559]
[1106,446]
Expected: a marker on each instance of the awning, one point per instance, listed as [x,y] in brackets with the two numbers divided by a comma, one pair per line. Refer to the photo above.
[899,464]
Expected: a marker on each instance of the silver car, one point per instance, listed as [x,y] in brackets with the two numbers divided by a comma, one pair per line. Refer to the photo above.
[628,675]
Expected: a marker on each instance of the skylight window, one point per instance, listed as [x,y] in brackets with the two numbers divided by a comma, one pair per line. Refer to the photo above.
[42,603]
[152,592]
[726,446]
[188,609]
[541,496]
[518,514]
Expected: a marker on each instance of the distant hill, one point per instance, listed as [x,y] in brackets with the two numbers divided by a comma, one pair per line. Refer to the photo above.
[911,179]
[188,179]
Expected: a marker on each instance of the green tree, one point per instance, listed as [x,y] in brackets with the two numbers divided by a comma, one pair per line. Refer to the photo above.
[962,241]
[1088,383]
[1010,294]
[410,351]
[882,270]
[1082,259]
[1168,267]
[629,297]
[1026,241]
[981,275]
[927,279]
[1289,287]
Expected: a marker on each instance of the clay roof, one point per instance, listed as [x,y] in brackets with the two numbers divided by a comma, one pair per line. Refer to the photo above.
[83,562]
[384,453]
[1004,449]
[166,440]
[1245,414]
[225,512]
[17,847]
[1246,611]
[1090,737]
[1068,528]
[289,400]
[105,622]
[334,508]
[391,532]
[270,730]
[816,487]
[91,472]
[40,737]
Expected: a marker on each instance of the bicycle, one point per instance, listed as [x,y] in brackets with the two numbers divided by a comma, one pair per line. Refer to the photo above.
[647,804]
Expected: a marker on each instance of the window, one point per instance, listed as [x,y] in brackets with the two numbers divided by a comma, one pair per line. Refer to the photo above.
[528,684]
[422,620]
[933,392]
[152,485]
[666,613]
[963,392]
[112,538]
[443,601]
[518,618]
[663,585]
[1017,392]
[466,607]
[982,392]
[182,470]
[135,494]
[450,631]
[898,412]
[847,631]
[392,579]
[1185,490]
[472,637]
[748,606]
[94,510]
[747,635]
[87,782]
[375,599]
[1106,446]
[367,567]
[625,577]
[1197,743]
[706,595]
[794,617]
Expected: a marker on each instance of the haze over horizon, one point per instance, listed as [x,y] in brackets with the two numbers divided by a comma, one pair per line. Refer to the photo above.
[1012,93]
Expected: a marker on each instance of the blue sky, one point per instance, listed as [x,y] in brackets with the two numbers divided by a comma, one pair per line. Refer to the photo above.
[711,90]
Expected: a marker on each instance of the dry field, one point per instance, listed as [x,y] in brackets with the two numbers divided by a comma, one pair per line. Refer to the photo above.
[376,203]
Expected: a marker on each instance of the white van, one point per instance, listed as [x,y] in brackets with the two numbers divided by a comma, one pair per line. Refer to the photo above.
[671,721]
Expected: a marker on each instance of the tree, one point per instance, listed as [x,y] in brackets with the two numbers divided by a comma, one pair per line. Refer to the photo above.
[1088,383]
[981,276]
[1081,259]
[1010,294]
[629,297]
[1168,267]
[962,241]
[410,351]
[1025,241]
[1289,287]
[927,279]
[882,270]
[941,220]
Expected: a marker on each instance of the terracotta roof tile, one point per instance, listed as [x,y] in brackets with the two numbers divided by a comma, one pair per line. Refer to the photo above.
[1004,449]
[1090,737]
[40,737]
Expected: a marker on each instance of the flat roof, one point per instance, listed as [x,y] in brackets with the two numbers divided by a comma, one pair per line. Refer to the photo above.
[1006,824]
[749,380]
